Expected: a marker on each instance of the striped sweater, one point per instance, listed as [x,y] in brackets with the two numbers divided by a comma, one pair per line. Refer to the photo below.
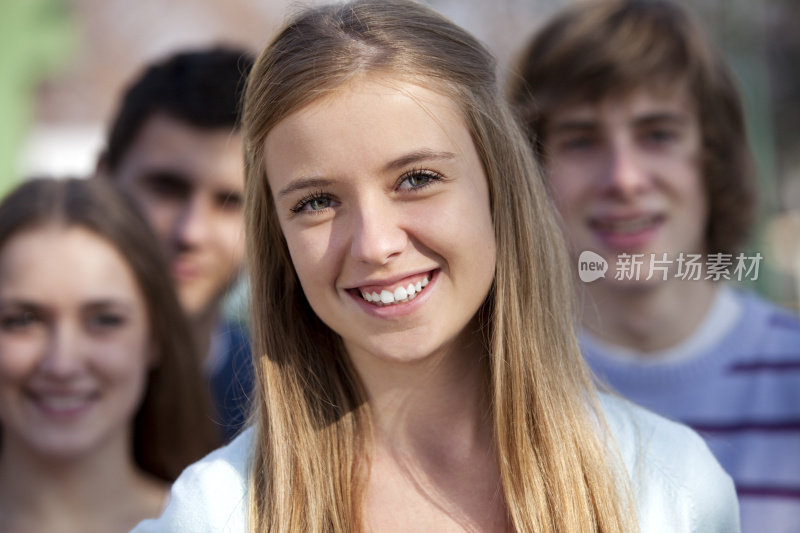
[742,394]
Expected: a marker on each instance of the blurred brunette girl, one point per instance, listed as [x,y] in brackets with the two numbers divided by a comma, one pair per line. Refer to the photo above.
[101,396]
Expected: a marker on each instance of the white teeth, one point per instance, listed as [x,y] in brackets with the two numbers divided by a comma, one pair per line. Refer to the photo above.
[400,294]
[62,403]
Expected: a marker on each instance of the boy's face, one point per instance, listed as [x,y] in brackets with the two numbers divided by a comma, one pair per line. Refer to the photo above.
[189,183]
[626,174]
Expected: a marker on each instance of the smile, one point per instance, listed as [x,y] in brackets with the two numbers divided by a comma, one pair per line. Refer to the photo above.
[63,403]
[394,295]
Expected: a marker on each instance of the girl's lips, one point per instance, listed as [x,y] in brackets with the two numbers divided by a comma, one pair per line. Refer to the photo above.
[382,301]
[393,283]
[63,405]
[397,292]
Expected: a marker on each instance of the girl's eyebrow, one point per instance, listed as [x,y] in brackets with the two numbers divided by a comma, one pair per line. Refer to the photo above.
[304,183]
[117,303]
[403,161]
[415,157]
[21,303]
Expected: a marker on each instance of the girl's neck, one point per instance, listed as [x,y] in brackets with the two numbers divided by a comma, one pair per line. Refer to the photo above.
[432,407]
[101,491]
[432,449]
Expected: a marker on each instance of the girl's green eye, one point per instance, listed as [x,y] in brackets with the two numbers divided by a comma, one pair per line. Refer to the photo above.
[311,203]
[415,180]
[105,322]
[418,179]
[319,203]
[108,320]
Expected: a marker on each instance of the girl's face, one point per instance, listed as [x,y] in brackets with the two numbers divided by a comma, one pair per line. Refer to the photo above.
[384,205]
[74,343]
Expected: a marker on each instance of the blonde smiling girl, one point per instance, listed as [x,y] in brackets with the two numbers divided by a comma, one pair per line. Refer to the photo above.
[416,364]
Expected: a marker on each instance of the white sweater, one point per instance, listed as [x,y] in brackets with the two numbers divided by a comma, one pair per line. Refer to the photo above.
[678,485]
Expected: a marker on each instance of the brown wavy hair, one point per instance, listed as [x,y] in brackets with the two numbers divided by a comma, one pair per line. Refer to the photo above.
[172,427]
[595,49]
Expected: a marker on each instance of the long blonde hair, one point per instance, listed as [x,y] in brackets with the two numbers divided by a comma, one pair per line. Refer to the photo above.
[309,462]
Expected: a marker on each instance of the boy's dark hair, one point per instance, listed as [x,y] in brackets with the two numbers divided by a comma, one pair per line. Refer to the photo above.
[202,88]
[596,49]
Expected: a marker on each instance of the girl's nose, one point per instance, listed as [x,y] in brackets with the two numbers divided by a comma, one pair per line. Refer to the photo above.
[378,235]
[62,356]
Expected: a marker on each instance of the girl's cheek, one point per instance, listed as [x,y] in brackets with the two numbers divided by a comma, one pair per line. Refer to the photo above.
[17,359]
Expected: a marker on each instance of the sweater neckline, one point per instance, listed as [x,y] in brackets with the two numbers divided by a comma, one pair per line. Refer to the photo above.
[740,337]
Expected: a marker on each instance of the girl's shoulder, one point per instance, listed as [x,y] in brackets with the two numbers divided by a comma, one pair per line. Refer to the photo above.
[678,486]
[209,495]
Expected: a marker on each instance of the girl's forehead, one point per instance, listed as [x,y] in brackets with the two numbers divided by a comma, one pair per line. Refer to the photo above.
[363,84]
[358,98]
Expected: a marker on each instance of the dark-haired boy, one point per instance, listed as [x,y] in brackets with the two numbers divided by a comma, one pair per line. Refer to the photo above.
[175,148]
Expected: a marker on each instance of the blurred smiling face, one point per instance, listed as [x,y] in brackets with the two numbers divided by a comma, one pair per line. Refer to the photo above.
[384,205]
[74,343]
[626,174]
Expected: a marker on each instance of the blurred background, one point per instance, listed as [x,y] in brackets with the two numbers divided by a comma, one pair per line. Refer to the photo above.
[64,62]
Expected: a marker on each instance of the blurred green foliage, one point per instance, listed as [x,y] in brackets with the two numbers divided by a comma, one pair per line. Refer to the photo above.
[36,36]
